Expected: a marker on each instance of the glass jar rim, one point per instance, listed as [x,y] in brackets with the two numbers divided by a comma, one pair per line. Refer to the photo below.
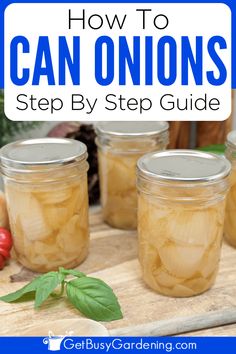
[231,139]
[43,152]
[183,166]
[132,129]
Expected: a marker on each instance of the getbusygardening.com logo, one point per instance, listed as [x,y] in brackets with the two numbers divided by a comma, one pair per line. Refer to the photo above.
[67,342]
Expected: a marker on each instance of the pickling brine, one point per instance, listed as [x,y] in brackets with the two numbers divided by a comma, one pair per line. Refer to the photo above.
[179,246]
[230,216]
[181,220]
[118,189]
[120,145]
[48,208]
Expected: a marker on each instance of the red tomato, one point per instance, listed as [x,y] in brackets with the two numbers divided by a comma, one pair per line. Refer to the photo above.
[5,253]
[2,262]
[5,246]
[5,239]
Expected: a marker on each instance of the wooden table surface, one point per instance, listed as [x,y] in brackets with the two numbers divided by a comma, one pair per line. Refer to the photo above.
[113,258]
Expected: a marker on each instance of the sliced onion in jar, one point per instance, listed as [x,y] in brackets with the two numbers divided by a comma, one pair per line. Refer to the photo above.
[181,261]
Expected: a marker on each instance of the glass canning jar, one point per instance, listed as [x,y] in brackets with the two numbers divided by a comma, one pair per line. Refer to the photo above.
[181,206]
[230,216]
[46,190]
[120,145]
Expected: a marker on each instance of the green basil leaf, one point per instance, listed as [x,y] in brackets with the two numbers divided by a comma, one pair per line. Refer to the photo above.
[26,297]
[21,293]
[75,273]
[94,299]
[40,288]
[47,284]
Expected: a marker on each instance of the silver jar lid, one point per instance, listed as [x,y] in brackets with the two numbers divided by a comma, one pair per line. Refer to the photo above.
[42,152]
[183,165]
[131,129]
[231,139]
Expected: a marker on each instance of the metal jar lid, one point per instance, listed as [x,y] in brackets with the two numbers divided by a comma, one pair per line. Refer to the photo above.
[131,129]
[47,152]
[183,166]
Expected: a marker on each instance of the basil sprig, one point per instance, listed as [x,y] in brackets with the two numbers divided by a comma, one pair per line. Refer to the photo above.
[91,296]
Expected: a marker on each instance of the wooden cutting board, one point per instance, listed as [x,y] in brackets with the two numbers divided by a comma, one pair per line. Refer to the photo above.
[113,258]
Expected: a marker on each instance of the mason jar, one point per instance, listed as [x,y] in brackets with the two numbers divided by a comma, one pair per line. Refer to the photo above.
[181,207]
[46,190]
[120,144]
[230,216]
